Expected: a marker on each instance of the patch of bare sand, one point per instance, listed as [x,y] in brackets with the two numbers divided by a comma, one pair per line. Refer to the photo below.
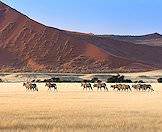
[72,109]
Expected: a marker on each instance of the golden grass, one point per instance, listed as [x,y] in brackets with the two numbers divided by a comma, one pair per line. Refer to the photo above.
[71,109]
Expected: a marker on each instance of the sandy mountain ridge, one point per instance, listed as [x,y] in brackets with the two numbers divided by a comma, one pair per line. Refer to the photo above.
[154,39]
[26,45]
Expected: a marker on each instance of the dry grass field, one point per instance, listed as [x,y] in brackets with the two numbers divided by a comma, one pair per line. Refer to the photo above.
[71,109]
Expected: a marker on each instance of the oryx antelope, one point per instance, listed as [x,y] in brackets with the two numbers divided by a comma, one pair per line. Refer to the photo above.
[99,86]
[143,87]
[30,86]
[86,86]
[51,86]
[121,87]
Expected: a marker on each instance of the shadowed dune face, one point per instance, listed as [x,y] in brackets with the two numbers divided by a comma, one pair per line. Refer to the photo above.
[10,60]
[141,53]
[42,48]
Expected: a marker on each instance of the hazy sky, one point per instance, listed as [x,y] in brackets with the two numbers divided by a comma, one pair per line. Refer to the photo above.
[96,16]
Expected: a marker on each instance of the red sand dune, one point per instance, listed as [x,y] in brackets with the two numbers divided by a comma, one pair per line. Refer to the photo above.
[26,45]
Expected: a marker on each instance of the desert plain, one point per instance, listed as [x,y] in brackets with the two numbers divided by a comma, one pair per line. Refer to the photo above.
[72,109]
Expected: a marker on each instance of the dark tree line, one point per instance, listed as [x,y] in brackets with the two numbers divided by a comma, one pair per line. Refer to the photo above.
[55,80]
[113,79]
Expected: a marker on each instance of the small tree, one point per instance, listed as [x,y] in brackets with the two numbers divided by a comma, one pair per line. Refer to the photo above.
[55,79]
[128,81]
[112,79]
[1,80]
[160,80]
[118,79]
[86,81]
[121,79]
[93,80]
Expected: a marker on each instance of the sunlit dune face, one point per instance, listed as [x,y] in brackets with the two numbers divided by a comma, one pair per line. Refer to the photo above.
[94,52]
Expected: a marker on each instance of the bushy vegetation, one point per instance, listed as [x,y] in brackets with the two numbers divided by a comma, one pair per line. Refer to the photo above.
[1,80]
[160,80]
[58,80]
[55,80]
[93,80]
[140,81]
[118,79]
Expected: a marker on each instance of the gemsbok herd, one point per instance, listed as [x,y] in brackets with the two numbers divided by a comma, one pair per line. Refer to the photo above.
[33,87]
[90,87]
[118,87]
